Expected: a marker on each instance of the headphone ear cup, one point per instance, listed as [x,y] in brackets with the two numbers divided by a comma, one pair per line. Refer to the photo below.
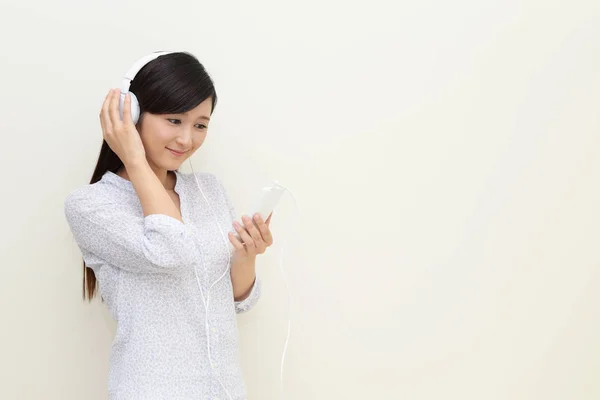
[135,107]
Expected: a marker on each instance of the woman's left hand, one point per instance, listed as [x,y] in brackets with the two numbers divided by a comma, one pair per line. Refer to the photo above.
[254,238]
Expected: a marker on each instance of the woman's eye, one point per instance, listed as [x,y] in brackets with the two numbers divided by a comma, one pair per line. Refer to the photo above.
[174,121]
[201,126]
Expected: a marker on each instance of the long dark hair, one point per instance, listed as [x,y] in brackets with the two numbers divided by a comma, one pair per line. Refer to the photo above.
[171,84]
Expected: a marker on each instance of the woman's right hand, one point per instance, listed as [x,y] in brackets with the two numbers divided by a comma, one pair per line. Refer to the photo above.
[121,135]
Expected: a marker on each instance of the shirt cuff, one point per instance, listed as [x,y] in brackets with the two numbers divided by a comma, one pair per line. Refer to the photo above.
[249,302]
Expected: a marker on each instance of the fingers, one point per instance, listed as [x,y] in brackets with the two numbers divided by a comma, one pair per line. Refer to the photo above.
[252,230]
[254,235]
[263,228]
[104,117]
[113,110]
[237,244]
[245,237]
[127,110]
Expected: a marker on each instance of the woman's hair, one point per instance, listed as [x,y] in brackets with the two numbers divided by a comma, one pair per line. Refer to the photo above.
[171,84]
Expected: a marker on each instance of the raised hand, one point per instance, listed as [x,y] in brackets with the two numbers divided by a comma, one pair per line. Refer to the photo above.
[121,135]
[254,237]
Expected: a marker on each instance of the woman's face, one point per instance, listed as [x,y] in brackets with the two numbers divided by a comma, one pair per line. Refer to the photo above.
[170,139]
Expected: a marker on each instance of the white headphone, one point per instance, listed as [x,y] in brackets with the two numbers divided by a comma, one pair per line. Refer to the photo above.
[135,68]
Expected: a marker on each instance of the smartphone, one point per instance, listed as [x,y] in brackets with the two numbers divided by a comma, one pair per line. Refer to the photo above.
[267,200]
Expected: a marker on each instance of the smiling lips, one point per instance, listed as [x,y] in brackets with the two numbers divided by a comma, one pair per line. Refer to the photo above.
[177,153]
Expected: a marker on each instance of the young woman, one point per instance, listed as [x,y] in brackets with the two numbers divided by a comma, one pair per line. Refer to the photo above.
[159,244]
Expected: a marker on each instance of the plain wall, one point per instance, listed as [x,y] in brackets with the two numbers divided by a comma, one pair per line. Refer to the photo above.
[444,156]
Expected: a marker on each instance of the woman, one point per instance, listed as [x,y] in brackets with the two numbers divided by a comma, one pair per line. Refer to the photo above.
[153,240]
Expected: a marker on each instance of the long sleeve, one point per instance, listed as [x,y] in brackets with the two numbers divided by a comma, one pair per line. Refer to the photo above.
[249,302]
[112,232]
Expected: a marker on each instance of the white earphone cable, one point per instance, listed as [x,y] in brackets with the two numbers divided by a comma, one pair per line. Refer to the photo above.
[289,322]
[207,300]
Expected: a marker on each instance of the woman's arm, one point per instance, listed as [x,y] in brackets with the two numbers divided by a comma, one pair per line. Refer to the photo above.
[150,190]
[121,236]
[246,283]
[254,239]
[158,241]
[243,277]
[124,139]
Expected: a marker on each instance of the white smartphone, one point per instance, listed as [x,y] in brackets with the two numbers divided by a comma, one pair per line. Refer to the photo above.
[266,201]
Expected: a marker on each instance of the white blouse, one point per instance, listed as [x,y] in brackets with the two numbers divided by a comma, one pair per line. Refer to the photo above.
[150,271]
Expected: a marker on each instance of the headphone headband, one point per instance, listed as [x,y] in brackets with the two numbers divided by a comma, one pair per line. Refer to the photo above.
[137,66]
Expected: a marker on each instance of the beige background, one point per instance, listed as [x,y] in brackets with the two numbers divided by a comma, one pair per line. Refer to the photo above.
[444,156]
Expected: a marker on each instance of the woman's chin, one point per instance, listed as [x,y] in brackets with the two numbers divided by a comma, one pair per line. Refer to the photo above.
[169,165]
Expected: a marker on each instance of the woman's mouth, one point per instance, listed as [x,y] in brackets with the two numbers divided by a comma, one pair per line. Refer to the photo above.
[177,153]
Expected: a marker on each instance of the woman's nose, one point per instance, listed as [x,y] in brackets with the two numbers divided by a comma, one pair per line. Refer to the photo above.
[185,138]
